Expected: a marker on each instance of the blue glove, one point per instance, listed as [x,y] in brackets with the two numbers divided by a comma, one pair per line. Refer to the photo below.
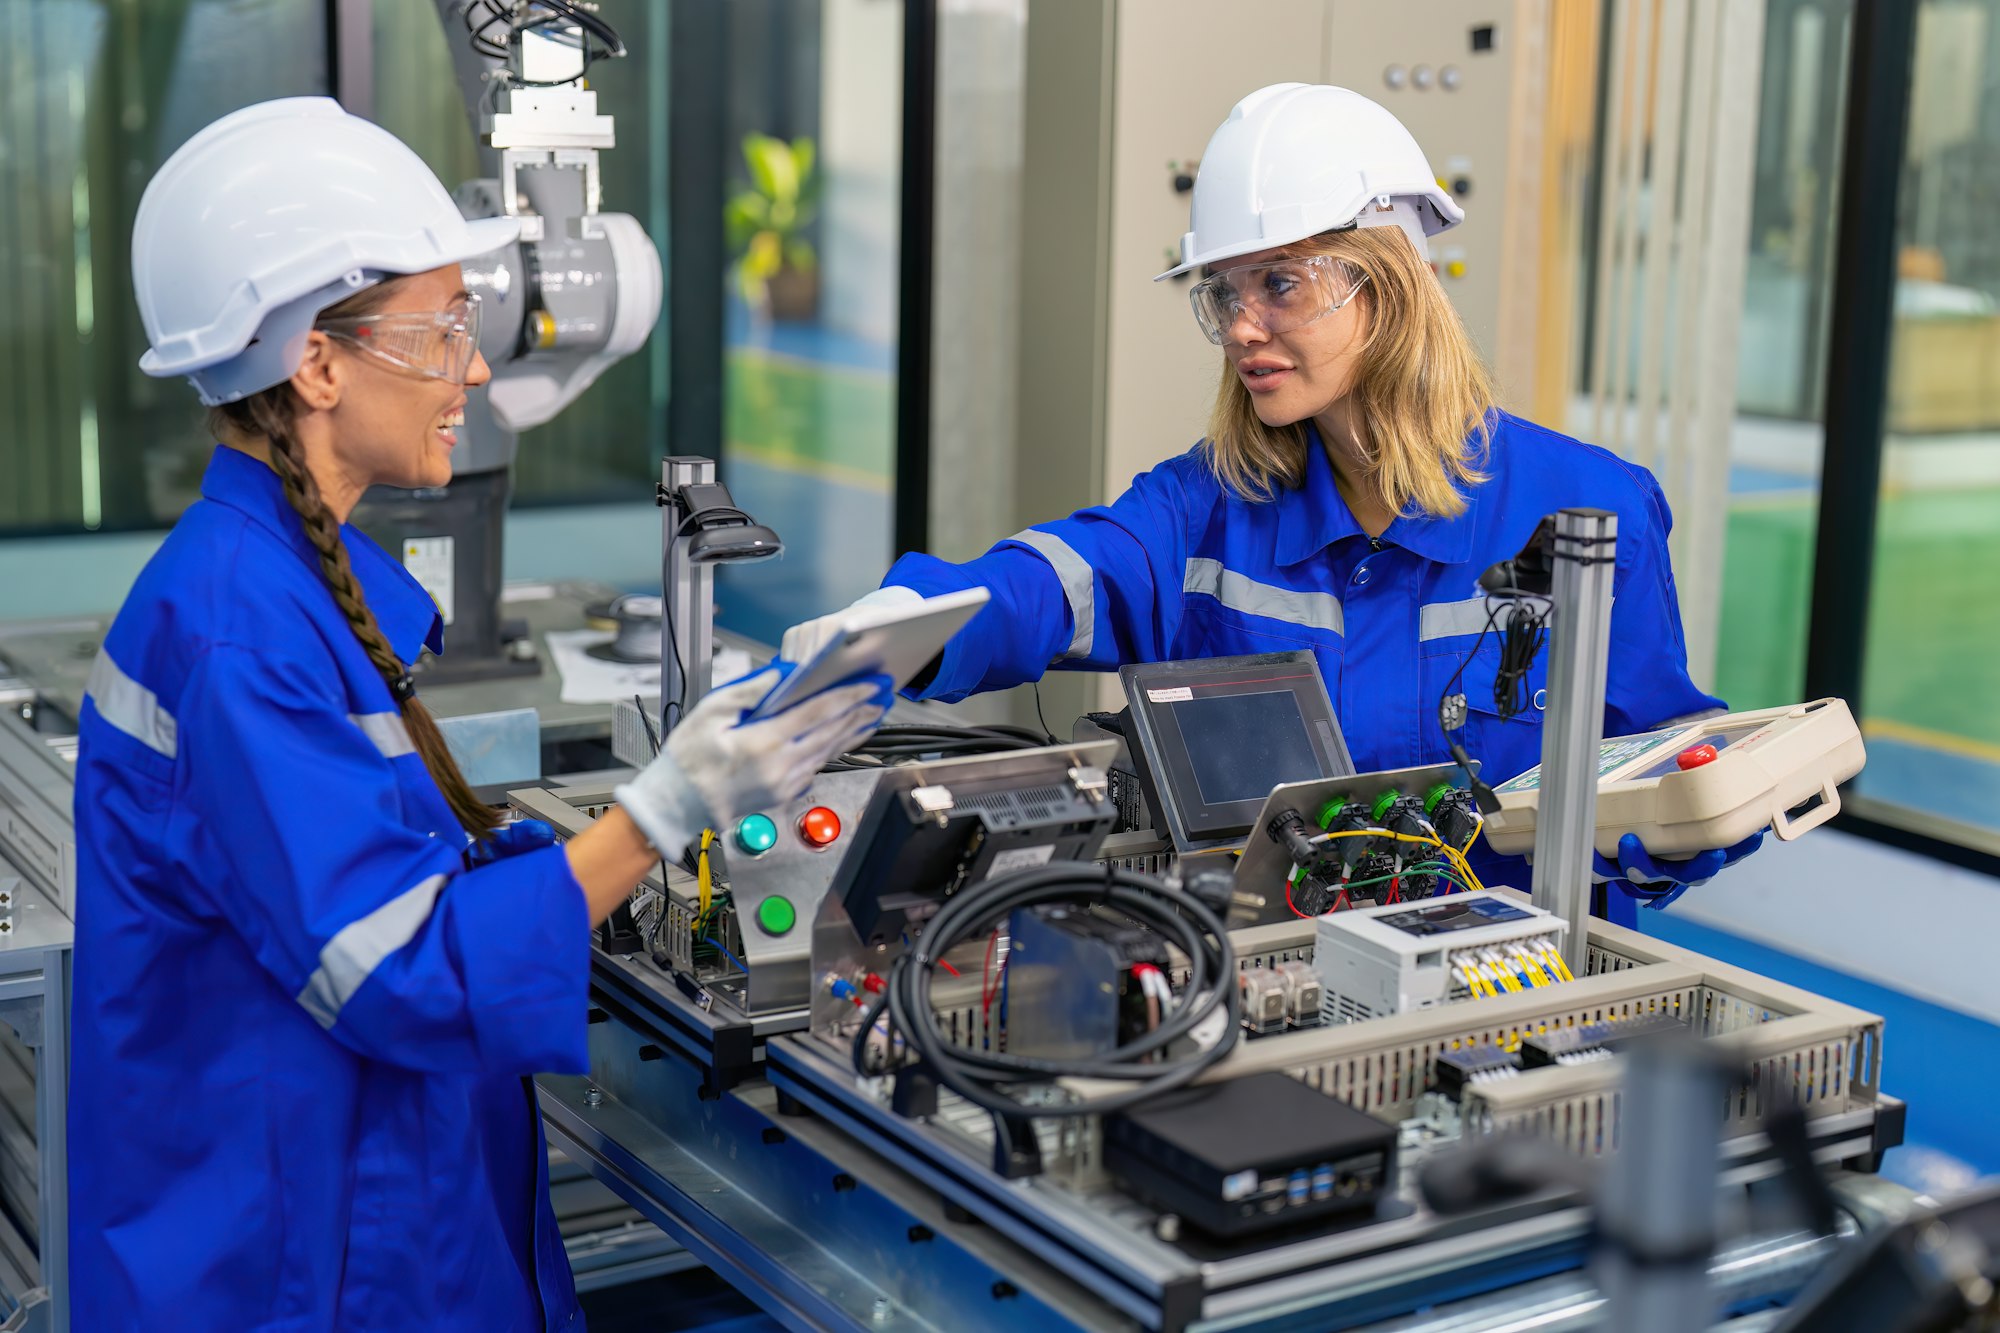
[523,835]
[1657,881]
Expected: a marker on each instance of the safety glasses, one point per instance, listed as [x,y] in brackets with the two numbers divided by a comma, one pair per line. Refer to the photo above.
[436,343]
[1277,297]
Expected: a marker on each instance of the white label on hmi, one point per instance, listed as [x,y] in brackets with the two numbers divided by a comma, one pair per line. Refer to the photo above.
[1177,696]
[429,561]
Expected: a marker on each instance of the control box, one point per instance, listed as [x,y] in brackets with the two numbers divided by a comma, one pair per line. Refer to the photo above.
[1711,783]
[1375,961]
[1071,990]
[931,830]
[1250,1154]
[749,943]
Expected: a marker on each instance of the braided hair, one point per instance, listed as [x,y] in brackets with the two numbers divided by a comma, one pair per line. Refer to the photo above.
[272,414]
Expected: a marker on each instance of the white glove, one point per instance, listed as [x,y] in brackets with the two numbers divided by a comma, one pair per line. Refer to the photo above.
[714,768]
[804,640]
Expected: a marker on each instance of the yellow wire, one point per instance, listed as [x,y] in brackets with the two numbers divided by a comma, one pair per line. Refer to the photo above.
[1453,857]
[702,875]
[1472,980]
[1562,968]
[1534,970]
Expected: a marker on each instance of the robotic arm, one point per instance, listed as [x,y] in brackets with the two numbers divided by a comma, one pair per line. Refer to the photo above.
[582,288]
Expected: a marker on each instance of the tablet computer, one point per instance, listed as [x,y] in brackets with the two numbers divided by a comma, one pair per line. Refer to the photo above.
[893,641]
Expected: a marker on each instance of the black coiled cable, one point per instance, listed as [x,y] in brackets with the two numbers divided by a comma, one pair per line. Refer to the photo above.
[983,1077]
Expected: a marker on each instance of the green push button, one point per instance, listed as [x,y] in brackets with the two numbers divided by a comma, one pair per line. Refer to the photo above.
[776,915]
[756,834]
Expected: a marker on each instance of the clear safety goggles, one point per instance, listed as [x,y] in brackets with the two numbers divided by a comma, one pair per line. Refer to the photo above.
[1277,297]
[436,343]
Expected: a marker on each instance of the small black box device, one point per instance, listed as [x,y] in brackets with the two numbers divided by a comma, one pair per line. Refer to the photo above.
[1251,1154]
[923,839]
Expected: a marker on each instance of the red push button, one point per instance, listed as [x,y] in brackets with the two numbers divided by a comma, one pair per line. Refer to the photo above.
[1696,757]
[819,826]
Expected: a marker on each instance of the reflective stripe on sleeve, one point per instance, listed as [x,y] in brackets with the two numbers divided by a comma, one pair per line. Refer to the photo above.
[1079,584]
[391,737]
[131,707]
[1310,610]
[352,956]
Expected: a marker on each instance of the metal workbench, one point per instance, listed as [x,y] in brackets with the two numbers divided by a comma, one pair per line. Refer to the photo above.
[770,1176]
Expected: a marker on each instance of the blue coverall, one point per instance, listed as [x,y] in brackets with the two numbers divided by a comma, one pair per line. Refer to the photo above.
[303,1027]
[1181,567]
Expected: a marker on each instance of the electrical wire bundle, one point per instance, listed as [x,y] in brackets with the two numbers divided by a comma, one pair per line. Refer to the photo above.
[910,743]
[483,16]
[1394,823]
[1522,635]
[1511,968]
[986,1078]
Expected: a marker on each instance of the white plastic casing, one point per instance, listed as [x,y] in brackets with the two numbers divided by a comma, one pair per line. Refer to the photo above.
[1775,760]
[1369,968]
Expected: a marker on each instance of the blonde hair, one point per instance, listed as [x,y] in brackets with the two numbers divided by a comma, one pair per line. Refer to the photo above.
[1421,394]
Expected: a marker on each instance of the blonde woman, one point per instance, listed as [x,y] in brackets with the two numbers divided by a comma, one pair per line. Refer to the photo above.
[1356,480]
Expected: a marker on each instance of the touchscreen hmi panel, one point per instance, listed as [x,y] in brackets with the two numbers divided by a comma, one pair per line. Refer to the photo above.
[1242,745]
[1214,735]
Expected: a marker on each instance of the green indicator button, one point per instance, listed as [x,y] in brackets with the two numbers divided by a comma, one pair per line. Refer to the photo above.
[756,834]
[776,915]
[1383,802]
[1434,795]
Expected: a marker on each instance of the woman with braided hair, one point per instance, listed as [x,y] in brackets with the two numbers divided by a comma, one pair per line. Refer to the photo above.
[312,977]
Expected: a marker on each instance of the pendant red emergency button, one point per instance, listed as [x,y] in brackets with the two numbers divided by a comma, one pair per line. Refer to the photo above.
[1695,757]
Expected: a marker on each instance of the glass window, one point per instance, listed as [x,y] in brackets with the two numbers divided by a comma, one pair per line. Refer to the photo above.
[813,206]
[94,95]
[1932,666]
[1778,440]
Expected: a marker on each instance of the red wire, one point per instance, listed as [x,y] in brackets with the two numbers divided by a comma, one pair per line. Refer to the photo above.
[986,989]
[1294,906]
[947,967]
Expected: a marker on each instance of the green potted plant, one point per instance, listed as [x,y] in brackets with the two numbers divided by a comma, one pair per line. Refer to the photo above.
[776,269]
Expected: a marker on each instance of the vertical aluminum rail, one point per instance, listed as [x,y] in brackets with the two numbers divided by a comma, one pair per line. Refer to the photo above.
[1586,548]
[687,591]
[1657,1209]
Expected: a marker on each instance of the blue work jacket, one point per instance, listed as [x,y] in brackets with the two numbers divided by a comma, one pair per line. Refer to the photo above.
[303,1028]
[1180,567]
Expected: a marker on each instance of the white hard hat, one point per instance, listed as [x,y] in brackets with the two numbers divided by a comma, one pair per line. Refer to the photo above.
[1296,159]
[267,217]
